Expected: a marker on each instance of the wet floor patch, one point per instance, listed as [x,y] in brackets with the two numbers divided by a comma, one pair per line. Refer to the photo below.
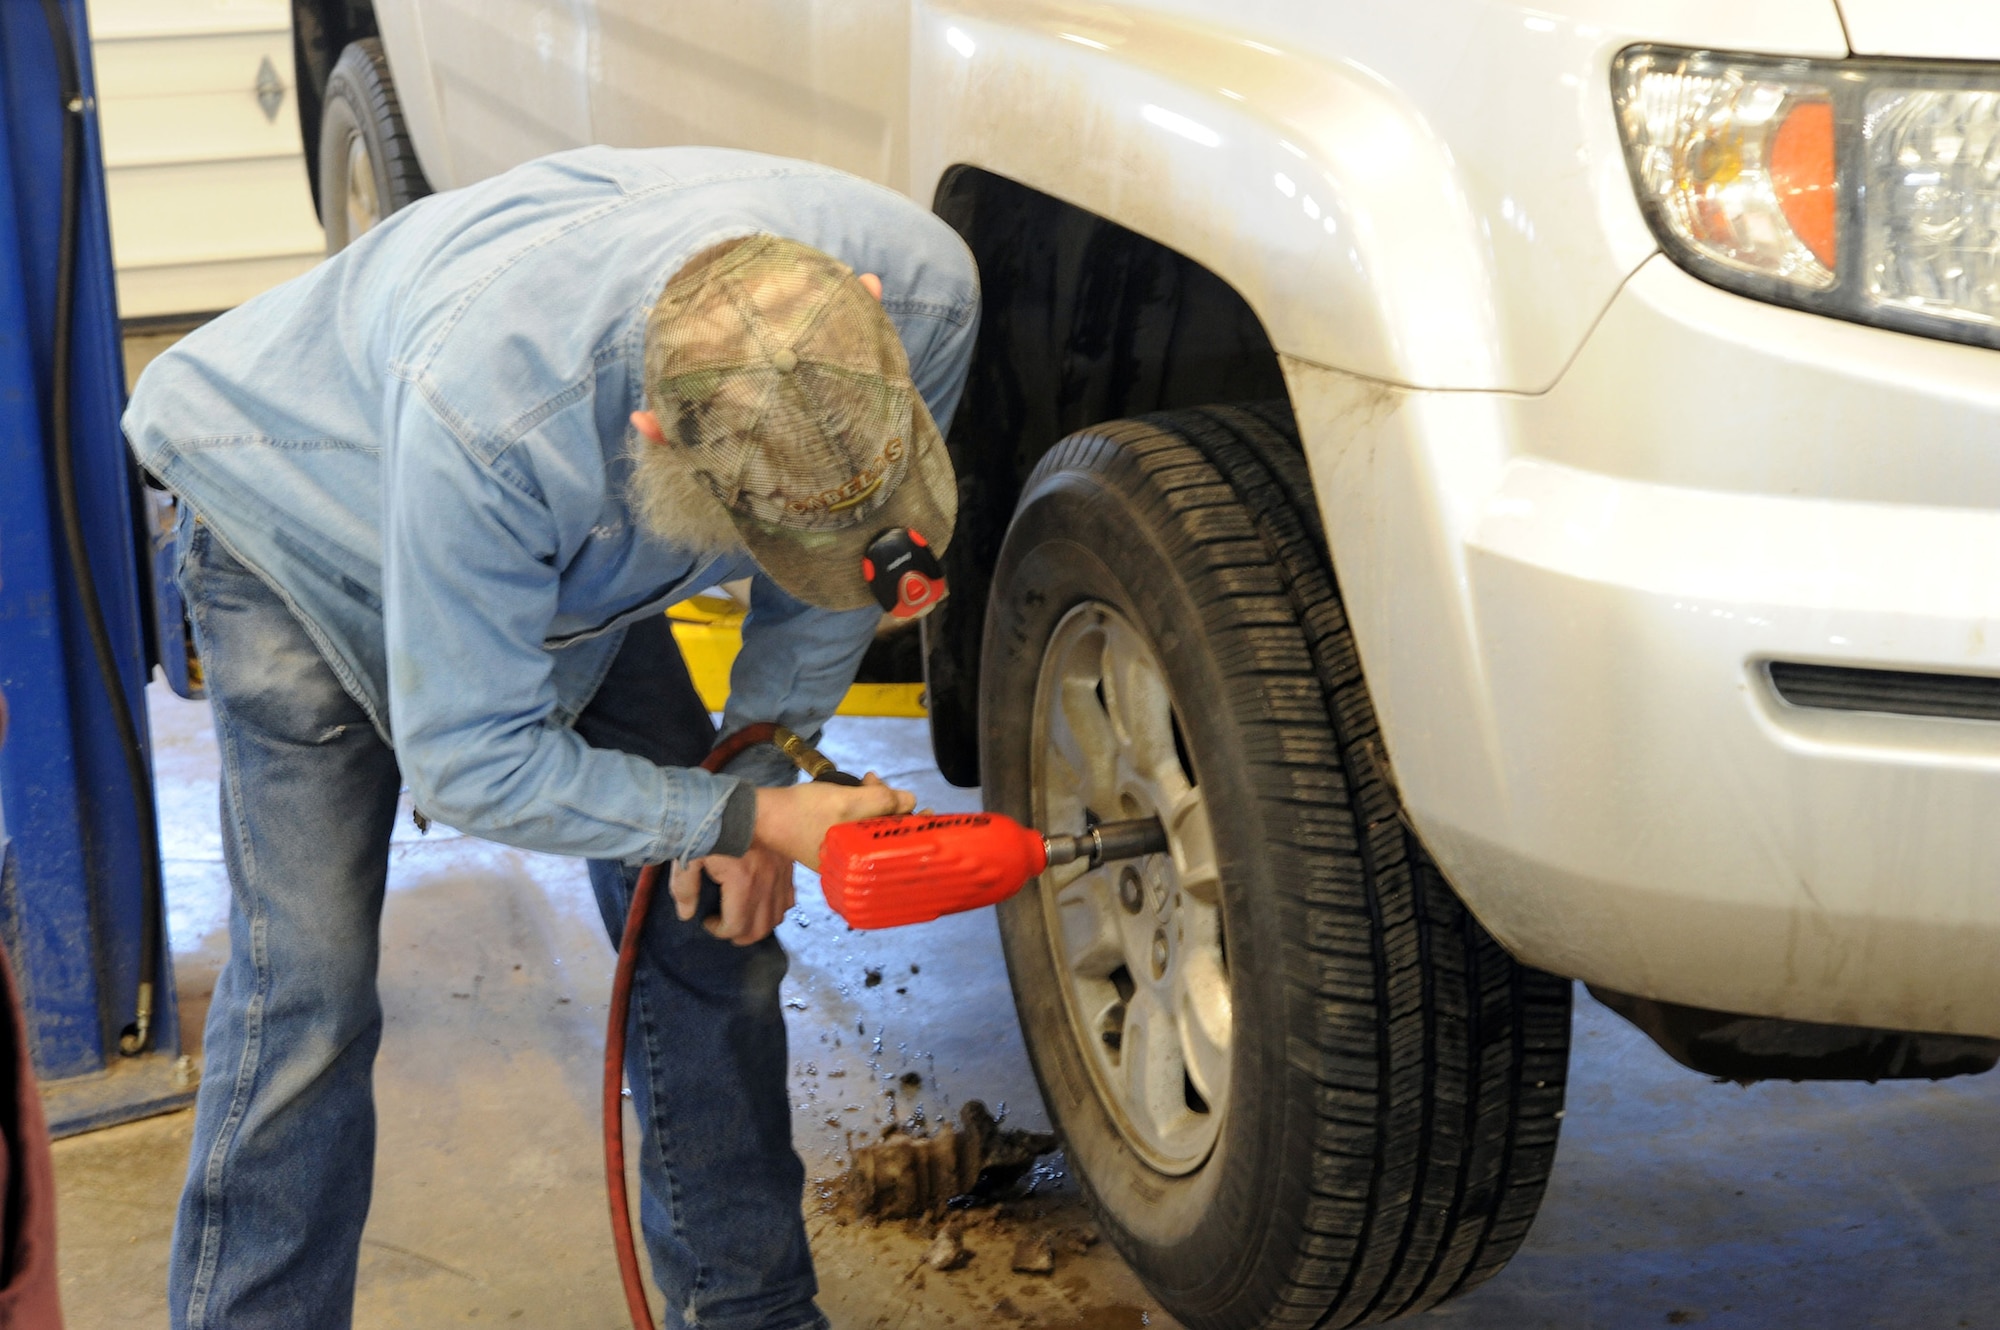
[1038,1262]
[1108,1318]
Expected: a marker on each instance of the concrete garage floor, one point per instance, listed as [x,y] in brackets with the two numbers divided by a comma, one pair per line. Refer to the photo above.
[1675,1201]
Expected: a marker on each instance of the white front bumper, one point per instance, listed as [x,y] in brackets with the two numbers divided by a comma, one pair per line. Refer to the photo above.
[1565,603]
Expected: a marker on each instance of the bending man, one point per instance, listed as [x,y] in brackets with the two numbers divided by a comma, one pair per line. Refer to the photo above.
[438,493]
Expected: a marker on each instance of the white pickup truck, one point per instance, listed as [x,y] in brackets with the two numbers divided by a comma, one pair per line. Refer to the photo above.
[1516,487]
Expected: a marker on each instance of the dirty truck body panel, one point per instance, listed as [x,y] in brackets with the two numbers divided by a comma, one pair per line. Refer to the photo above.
[1578,499]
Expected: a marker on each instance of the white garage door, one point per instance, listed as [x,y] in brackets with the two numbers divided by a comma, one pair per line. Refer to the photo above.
[204,174]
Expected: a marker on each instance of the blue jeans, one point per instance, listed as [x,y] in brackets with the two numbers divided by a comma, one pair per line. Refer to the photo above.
[269,1228]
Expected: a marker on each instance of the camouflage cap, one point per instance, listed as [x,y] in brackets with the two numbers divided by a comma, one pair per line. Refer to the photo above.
[789,391]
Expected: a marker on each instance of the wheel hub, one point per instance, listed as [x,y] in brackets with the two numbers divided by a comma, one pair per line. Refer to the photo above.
[1139,944]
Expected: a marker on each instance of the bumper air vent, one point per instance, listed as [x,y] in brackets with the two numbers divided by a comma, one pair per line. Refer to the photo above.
[1895,692]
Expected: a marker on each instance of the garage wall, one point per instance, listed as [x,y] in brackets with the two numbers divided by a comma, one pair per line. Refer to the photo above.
[204,175]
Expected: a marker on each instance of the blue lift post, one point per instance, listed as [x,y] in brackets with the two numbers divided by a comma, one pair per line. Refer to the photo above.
[72,889]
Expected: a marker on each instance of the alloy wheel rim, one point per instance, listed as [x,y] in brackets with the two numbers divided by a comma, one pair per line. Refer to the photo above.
[1140,943]
[364,206]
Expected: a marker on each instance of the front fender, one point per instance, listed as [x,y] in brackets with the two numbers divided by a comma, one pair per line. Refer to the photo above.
[1307,184]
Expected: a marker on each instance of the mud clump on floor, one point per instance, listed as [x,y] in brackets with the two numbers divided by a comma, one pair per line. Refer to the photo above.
[1033,1255]
[1001,1228]
[904,1176]
[986,1220]
[947,1250]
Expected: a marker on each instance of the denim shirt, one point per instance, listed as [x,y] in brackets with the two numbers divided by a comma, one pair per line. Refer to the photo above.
[421,445]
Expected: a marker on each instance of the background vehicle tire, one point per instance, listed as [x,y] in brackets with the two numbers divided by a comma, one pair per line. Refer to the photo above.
[367,165]
[1368,1112]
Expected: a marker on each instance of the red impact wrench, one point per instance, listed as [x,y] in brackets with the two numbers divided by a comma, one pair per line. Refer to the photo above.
[889,871]
[878,873]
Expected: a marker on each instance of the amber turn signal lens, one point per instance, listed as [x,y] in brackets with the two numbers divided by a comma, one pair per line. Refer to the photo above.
[1802,176]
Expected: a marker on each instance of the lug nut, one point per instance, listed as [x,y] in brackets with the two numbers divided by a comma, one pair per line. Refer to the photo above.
[1130,894]
[1160,953]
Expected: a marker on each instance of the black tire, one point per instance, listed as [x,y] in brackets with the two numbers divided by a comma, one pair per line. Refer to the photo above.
[1396,1078]
[361,124]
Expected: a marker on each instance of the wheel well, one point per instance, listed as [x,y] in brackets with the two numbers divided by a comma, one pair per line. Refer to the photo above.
[1082,321]
[321,30]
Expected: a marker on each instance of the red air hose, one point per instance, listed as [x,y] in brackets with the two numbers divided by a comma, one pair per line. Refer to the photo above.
[723,754]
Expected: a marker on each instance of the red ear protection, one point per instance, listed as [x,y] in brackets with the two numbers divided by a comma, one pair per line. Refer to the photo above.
[903,573]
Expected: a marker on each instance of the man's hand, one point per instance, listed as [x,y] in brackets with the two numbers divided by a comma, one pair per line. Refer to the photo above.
[756,892]
[792,821]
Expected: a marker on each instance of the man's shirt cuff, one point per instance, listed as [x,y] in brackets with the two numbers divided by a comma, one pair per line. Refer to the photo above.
[739,821]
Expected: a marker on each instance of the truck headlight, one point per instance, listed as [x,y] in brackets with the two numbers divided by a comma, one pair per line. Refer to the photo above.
[1864,189]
